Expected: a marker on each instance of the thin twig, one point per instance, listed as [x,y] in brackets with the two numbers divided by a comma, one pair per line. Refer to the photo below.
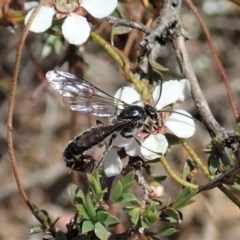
[196,159]
[229,138]
[176,178]
[11,110]
[128,23]
[120,58]
[201,104]
[217,60]
[166,26]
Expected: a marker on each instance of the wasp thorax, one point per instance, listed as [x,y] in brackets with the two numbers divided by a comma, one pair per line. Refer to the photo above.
[133,113]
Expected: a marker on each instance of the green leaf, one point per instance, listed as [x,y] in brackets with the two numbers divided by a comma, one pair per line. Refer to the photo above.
[183,198]
[58,46]
[150,217]
[158,179]
[107,219]
[36,229]
[95,185]
[52,43]
[128,181]
[128,197]
[76,194]
[151,213]
[156,66]
[87,226]
[94,182]
[213,163]
[60,235]
[101,232]
[189,166]
[167,231]
[134,215]
[82,211]
[90,208]
[144,223]
[116,191]
[43,215]
[119,30]
[46,51]
[171,215]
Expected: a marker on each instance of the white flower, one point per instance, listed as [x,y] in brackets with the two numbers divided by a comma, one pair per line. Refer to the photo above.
[75,27]
[178,122]
[112,161]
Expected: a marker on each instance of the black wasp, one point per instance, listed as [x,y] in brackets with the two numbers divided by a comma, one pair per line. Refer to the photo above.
[82,96]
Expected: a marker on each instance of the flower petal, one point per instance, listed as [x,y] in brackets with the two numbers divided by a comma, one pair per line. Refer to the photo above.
[76,29]
[182,125]
[153,145]
[128,95]
[166,94]
[133,148]
[99,8]
[170,92]
[112,163]
[43,19]
[184,90]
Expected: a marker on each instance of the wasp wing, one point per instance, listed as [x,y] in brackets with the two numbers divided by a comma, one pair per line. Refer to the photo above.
[81,95]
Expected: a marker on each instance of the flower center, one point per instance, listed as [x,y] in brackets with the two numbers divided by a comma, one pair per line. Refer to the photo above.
[66,6]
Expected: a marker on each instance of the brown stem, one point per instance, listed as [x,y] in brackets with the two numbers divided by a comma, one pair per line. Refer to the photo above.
[11,110]
[217,60]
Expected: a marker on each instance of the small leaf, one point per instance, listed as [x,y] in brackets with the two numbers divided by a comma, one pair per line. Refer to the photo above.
[189,166]
[90,208]
[171,215]
[159,179]
[116,191]
[58,46]
[134,215]
[128,197]
[183,198]
[101,232]
[87,226]
[43,215]
[156,66]
[167,231]
[158,69]
[151,213]
[76,194]
[82,211]
[107,219]
[128,181]
[95,185]
[119,30]
[94,182]
[46,51]
[144,222]
[213,163]
[36,229]
[150,217]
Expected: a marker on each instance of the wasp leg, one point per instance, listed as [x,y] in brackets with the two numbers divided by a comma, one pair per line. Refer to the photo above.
[107,147]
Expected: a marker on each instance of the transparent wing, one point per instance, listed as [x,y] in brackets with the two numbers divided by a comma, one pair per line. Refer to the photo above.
[81,95]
